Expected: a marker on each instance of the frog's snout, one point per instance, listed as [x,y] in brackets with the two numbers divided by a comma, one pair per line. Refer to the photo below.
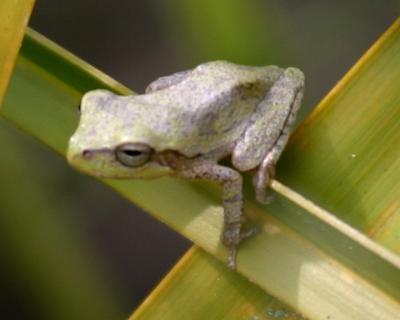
[76,151]
[72,152]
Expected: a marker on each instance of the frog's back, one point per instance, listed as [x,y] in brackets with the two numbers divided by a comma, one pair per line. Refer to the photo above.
[209,109]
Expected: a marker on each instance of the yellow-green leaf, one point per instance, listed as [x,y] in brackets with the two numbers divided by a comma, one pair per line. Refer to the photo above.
[346,156]
[14,15]
[200,287]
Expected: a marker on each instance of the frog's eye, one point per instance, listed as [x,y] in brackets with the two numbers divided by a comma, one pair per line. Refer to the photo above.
[133,155]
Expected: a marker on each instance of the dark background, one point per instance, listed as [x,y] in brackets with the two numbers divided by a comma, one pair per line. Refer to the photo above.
[81,232]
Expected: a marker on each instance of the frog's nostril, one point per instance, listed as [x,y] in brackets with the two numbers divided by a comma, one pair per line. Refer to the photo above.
[87,154]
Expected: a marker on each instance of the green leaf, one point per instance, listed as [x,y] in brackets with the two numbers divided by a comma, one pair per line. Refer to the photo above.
[43,250]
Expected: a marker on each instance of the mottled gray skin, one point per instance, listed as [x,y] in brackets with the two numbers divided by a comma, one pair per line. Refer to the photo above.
[186,123]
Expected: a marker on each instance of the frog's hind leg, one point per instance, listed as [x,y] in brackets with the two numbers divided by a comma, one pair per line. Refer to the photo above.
[266,169]
[268,131]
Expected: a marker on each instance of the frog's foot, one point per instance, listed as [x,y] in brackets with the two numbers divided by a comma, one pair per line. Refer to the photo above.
[231,261]
[261,181]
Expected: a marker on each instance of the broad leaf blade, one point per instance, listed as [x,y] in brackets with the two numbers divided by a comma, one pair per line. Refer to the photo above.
[200,287]
[346,156]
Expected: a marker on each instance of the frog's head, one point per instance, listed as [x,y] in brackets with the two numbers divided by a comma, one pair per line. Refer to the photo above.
[103,144]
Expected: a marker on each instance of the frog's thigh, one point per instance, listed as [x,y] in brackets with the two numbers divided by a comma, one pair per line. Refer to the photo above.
[167,81]
[271,122]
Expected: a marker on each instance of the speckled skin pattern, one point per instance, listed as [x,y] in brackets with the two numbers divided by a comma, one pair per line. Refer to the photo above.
[190,121]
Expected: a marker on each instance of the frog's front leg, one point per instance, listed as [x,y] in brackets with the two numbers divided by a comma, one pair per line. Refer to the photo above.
[231,182]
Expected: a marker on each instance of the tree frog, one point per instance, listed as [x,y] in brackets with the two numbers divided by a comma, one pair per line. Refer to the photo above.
[185,123]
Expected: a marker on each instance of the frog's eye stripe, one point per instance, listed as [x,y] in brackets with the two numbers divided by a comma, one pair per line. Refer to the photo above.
[133,155]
